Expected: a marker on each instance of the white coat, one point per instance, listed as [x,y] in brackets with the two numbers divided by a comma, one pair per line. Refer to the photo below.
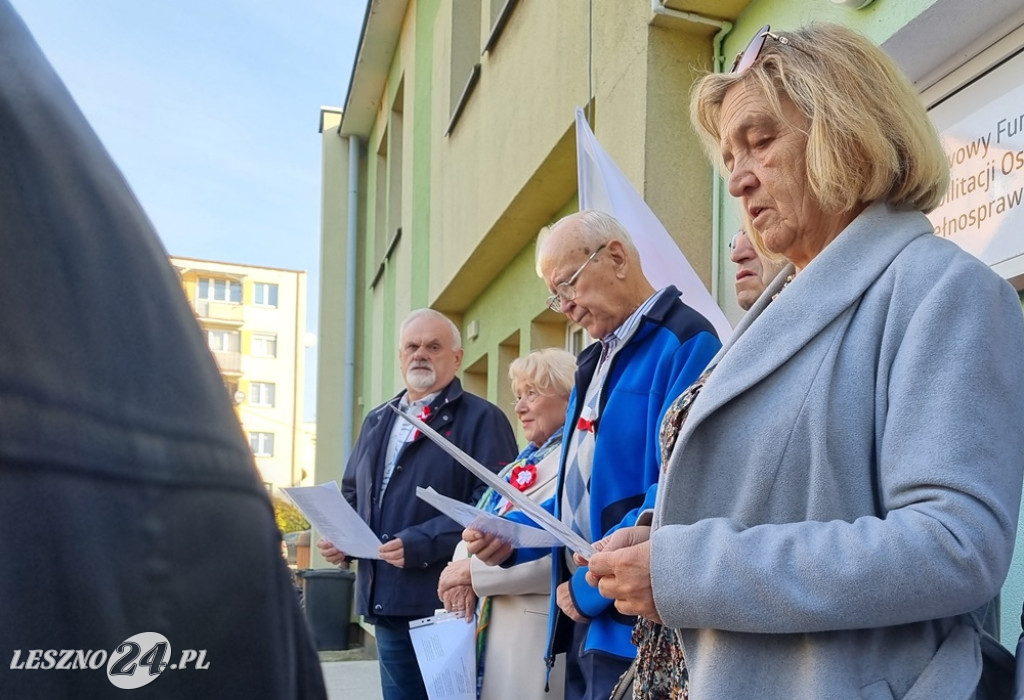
[518,630]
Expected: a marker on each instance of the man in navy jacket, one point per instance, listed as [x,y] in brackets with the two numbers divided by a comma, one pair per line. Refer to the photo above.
[652,348]
[388,462]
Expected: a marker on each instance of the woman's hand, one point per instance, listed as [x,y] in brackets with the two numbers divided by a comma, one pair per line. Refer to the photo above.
[487,548]
[460,600]
[457,573]
[623,537]
[621,570]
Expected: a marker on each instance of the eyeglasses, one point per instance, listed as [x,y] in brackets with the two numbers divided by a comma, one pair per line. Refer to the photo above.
[565,291]
[750,54]
[530,396]
[734,241]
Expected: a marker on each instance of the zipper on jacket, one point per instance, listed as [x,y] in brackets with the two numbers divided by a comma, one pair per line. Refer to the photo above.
[549,661]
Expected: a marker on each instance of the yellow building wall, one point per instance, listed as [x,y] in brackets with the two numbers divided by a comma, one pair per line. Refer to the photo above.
[510,159]
[286,371]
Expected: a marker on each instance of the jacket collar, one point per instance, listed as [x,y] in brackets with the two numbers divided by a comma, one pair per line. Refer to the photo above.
[385,417]
[773,332]
[450,393]
[658,312]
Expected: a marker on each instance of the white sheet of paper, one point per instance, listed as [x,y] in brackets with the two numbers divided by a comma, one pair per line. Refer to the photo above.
[333,517]
[445,647]
[537,514]
[467,516]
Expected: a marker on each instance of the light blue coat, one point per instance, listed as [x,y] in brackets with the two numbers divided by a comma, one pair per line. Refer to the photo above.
[847,484]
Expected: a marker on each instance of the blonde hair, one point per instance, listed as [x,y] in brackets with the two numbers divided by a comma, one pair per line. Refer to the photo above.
[551,371]
[869,137]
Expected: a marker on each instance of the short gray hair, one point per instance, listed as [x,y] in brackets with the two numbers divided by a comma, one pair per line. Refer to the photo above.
[430,313]
[593,229]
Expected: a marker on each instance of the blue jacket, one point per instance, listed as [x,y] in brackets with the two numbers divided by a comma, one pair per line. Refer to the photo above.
[428,537]
[669,350]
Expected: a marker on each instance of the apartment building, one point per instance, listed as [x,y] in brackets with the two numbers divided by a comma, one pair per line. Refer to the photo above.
[254,319]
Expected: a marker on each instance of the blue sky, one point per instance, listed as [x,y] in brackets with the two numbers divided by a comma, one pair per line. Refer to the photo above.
[211,108]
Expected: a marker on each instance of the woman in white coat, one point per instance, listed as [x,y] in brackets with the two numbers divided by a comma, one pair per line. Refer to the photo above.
[842,493]
[513,602]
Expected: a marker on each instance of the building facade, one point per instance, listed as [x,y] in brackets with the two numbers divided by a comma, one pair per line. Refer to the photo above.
[455,145]
[254,321]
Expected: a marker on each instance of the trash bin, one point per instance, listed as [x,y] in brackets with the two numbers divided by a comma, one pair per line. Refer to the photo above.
[328,601]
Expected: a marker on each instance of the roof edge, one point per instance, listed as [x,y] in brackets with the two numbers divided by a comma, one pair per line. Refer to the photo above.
[378,40]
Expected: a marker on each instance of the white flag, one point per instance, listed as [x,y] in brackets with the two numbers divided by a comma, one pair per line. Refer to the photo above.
[603,187]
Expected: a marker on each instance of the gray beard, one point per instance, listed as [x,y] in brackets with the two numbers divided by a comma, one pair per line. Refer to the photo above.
[419,379]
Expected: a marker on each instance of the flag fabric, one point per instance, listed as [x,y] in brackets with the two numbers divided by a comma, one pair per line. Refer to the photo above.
[603,187]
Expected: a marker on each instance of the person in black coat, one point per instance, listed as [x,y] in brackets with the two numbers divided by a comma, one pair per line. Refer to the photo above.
[137,535]
[389,460]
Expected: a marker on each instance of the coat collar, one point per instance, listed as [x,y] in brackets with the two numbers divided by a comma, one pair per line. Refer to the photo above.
[450,393]
[659,311]
[773,332]
[385,417]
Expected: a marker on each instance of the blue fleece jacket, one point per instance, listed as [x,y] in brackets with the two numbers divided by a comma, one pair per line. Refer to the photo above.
[668,351]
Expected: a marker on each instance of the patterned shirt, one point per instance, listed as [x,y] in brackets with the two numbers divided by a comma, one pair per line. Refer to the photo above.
[580,449]
[401,433]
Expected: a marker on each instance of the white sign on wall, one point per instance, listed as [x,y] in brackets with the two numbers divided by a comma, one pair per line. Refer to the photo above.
[982,129]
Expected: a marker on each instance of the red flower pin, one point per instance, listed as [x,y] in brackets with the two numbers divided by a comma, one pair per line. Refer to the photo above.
[423,415]
[523,477]
[586,421]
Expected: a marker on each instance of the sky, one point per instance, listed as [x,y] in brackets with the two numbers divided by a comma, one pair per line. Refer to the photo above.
[211,110]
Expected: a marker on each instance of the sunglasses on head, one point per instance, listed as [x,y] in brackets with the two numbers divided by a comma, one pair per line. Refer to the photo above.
[750,54]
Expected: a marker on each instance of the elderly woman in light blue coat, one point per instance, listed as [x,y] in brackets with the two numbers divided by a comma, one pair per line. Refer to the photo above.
[843,492]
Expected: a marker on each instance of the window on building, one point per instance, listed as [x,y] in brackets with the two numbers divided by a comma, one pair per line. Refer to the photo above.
[261,394]
[501,10]
[264,294]
[380,228]
[465,57]
[224,341]
[576,339]
[264,345]
[262,444]
[212,289]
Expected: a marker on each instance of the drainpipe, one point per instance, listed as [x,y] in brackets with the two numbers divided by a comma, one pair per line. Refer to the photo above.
[718,63]
[350,300]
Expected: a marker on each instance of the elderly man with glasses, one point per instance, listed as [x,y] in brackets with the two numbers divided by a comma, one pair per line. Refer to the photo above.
[652,347]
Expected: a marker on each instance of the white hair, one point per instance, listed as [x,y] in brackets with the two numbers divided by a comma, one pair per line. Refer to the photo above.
[430,313]
[593,229]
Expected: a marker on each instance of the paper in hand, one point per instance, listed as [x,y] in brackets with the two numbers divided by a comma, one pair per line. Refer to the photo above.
[329,512]
[537,514]
[517,534]
[445,647]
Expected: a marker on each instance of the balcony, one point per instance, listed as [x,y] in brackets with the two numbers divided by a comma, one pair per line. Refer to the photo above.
[222,312]
[230,363]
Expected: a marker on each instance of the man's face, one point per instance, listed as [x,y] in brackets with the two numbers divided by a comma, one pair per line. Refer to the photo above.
[749,283]
[596,305]
[427,356]
[753,272]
